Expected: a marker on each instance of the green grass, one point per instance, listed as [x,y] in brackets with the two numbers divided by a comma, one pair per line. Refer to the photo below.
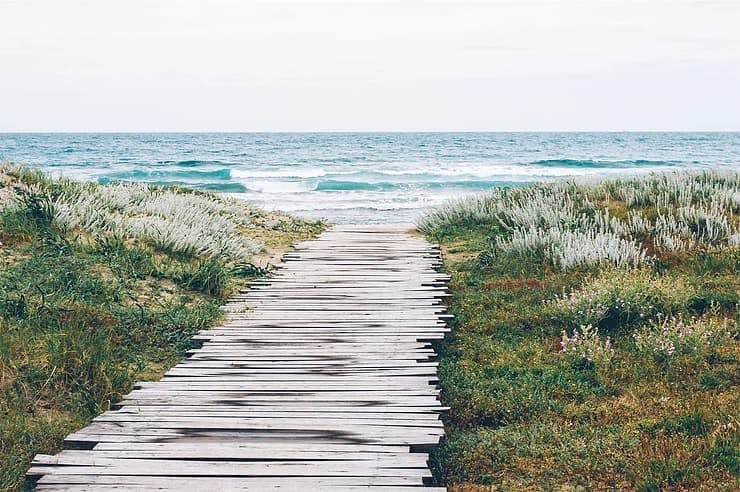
[644,398]
[86,312]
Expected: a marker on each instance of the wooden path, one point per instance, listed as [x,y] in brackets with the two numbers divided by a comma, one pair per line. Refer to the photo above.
[321,378]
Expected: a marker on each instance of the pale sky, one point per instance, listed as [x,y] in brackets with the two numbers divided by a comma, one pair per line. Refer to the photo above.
[274,65]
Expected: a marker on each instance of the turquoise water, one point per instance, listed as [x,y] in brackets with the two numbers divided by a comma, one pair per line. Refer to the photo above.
[363,177]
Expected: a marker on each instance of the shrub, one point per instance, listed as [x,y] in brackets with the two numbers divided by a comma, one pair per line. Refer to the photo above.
[676,335]
[619,299]
[587,344]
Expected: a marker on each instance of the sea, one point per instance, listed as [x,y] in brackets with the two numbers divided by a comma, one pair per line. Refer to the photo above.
[363,177]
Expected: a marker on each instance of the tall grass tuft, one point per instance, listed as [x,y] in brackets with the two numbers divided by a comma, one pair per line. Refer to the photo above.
[209,276]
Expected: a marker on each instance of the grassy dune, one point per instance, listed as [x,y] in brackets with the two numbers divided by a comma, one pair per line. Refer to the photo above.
[595,343]
[101,286]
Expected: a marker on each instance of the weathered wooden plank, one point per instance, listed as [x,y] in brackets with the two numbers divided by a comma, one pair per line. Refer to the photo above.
[152,467]
[209,484]
[237,454]
[269,448]
[251,385]
[141,412]
[339,328]
[288,400]
[342,357]
[297,339]
[380,367]
[289,422]
[329,411]
[88,440]
[257,485]
[197,376]
[362,397]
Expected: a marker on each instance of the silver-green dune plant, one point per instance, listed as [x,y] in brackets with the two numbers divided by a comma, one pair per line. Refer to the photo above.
[570,224]
[569,249]
[171,219]
[185,223]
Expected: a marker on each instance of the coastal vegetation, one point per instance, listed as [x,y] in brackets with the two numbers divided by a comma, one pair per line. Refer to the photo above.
[104,285]
[595,341]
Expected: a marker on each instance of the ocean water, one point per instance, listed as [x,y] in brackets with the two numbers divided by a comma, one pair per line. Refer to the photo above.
[363,177]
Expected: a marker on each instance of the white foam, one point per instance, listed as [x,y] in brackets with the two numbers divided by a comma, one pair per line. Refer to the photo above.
[281,187]
[351,200]
[515,172]
[429,172]
[500,171]
[284,172]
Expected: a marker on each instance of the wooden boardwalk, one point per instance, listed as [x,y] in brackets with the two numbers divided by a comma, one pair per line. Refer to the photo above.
[321,378]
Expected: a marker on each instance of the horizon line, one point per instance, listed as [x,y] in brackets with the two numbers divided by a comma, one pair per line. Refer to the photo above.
[238,132]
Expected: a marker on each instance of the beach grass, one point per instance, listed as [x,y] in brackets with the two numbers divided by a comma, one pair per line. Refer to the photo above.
[105,285]
[595,341]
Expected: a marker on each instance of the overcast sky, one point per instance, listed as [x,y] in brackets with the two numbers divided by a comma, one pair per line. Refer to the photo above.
[245,65]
